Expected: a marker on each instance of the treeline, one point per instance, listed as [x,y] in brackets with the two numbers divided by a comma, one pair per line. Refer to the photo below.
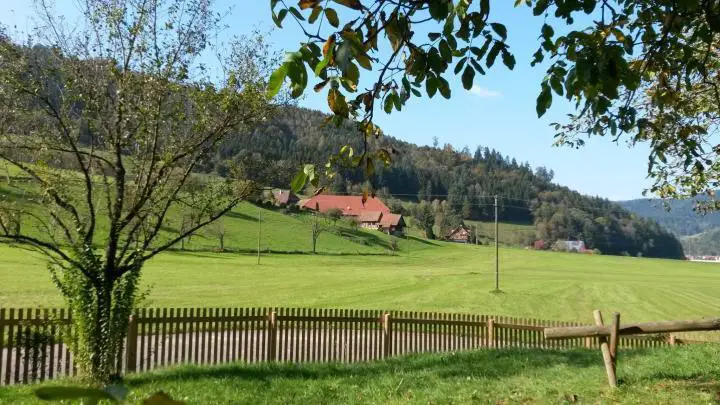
[441,186]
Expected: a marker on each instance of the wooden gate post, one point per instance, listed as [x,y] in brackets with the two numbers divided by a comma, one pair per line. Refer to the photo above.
[605,349]
[491,332]
[131,346]
[272,338]
[387,335]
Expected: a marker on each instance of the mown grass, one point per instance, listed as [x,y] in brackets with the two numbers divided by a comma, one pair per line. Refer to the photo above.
[443,277]
[680,375]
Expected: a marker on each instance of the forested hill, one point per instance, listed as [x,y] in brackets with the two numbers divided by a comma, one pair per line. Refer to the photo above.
[449,185]
[678,216]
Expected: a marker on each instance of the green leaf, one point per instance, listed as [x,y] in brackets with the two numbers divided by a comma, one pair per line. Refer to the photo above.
[276,80]
[388,103]
[431,86]
[298,182]
[477,66]
[460,65]
[433,36]
[332,17]
[492,55]
[352,73]
[508,59]
[296,13]
[547,31]
[443,87]
[278,19]
[364,61]
[445,51]
[72,393]
[314,15]
[467,77]
[500,30]
[544,100]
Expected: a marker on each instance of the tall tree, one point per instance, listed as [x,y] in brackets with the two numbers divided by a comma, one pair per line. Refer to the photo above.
[109,119]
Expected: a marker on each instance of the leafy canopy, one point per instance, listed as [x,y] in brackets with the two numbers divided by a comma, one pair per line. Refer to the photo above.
[645,69]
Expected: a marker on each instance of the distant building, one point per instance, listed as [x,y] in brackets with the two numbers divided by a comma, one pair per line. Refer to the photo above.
[284,197]
[574,245]
[392,224]
[461,234]
[350,205]
[371,214]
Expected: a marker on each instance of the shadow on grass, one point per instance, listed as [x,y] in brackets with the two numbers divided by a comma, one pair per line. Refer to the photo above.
[423,241]
[240,215]
[496,364]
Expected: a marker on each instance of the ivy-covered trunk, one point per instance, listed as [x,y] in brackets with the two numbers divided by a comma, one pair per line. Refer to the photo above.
[100,314]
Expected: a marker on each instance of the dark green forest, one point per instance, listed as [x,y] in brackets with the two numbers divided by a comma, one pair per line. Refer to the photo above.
[441,185]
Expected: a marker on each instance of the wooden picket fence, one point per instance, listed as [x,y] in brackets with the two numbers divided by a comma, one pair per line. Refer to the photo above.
[34,343]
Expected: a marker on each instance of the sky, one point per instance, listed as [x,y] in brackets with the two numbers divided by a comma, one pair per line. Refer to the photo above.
[499,111]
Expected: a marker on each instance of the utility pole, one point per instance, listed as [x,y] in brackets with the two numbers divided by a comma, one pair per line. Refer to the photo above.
[497,257]
[259,234]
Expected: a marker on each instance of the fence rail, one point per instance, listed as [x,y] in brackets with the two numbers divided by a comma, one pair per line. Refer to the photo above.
[34,343]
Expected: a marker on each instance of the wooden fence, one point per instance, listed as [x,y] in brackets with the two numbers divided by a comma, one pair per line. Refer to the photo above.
[34,343]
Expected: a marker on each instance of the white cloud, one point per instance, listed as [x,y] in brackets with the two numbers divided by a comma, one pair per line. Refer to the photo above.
[483,92]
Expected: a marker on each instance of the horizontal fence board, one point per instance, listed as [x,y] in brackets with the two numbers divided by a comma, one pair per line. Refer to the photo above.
[35,343]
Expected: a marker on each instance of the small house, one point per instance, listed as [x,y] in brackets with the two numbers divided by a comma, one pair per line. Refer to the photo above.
[392,224]
[461,234]
[284,198]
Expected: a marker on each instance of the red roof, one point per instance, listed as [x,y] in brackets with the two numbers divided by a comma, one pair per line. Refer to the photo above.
[389,220]
[351,205]
[371,216]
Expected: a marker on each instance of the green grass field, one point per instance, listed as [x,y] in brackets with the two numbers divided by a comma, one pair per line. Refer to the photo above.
[441,277]
[682,375]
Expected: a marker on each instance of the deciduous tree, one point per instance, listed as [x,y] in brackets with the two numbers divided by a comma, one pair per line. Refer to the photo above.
[108,120]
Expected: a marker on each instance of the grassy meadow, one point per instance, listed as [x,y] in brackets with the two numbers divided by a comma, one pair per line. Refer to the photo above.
[439,277]
[680,375]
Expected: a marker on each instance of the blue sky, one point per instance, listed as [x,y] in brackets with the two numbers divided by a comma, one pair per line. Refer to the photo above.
[499,112]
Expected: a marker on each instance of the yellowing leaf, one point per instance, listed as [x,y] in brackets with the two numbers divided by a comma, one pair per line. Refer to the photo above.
[353,4]
[303,4]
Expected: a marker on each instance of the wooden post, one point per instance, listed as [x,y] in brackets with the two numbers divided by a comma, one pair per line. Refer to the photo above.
[272,338]
[614,340]
[588,342]
[387,335]
[605,349]
[131,346]
[491,332]
[673,340]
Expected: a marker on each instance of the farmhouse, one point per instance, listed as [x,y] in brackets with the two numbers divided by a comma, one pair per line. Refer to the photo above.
[461,234]
[371,214]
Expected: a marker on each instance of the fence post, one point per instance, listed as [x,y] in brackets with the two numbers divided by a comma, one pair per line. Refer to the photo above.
[272,339]
[131,346]
[491,332]
[588,342]
[387,335]
[673,340]
[605,349]
[614,340]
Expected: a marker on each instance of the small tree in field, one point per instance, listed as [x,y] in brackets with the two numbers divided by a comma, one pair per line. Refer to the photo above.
[217,229]
[109,120]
